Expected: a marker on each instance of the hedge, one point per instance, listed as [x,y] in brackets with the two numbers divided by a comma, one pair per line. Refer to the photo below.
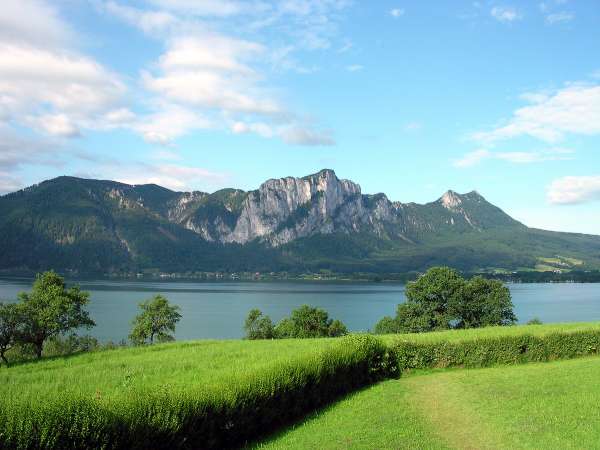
[238,412]
[485,352]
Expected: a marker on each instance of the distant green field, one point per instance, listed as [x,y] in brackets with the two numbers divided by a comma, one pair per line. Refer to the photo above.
[544,405]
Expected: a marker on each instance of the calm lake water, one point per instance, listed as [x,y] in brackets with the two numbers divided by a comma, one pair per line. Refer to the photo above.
[217,310]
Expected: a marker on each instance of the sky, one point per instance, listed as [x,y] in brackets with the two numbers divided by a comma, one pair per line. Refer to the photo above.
[408,98]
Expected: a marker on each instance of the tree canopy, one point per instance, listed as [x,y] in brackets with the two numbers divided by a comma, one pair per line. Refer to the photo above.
[304,322]
[156,321]
[50,309]
[442,299]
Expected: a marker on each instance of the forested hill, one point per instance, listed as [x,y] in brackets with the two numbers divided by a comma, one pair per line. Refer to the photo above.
[290,224]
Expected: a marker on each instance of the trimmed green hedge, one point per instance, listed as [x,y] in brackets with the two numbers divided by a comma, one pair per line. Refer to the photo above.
[485,352]
[238,412]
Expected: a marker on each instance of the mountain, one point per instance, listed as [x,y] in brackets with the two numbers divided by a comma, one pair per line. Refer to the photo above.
[290,224]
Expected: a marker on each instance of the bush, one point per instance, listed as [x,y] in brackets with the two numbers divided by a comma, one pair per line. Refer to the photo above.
[224,417]
[485,352]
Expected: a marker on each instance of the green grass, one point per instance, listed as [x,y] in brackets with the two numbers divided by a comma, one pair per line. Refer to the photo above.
[534,406]
[491,332]
[113,373]
[191,388]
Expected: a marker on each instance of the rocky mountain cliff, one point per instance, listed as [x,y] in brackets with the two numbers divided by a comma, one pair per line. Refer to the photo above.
[314,222]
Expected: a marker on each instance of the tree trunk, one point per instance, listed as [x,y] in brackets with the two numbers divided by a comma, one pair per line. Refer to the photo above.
[39,346]
[4,358]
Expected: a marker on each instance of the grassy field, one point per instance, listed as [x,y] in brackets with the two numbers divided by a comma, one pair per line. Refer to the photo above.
[171,387]
[199,364]
[534,406]
[203,364]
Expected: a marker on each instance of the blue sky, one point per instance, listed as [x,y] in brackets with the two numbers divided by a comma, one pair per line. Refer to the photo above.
[407,98]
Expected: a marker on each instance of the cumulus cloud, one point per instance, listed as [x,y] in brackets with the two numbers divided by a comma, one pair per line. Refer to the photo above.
[574,189]
[505,14]
[476,157]
[574,109]
[397,12]
[213,79]
[44,84]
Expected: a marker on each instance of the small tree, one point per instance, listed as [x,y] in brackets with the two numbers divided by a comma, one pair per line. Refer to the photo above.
[259,326]
[157,318]
[309,322]
[337,328]
[51,309]
[10,327]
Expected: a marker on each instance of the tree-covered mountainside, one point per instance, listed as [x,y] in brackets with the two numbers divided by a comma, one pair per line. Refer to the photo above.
[290,224]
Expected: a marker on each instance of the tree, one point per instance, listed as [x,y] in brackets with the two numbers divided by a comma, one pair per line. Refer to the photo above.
[442,299]
[157,318]
[428,300]
[309,322]
[337,328]
[51,309]
[10,327]
[483,303]
[258,326]
[387,325]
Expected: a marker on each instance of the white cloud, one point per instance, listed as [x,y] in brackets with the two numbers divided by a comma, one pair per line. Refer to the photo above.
[397,12]
[354,68]
[32,22]
[57,125]
[172,176]
[44,84]
[168,123]
[574,189]
[505,14]
[559,17]
[262,129]
[524,157]
[574,109]
[222,8]
[298,135]
[148,21]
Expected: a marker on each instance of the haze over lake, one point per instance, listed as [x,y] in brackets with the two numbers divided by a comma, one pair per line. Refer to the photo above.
[216,310]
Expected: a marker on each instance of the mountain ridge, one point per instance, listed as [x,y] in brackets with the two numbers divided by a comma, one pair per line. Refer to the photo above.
[314,222]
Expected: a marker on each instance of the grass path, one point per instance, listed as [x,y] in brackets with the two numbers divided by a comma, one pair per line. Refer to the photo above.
[535,406]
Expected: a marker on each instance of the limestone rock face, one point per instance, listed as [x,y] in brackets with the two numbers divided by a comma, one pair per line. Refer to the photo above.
[285,209]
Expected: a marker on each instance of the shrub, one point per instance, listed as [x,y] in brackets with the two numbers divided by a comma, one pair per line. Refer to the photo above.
[226,416]
[486,352]
[258,326]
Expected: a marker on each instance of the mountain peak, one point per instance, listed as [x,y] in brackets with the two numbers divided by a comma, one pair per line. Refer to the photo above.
[450,199]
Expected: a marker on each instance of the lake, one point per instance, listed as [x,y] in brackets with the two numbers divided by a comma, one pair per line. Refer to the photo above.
[217,310]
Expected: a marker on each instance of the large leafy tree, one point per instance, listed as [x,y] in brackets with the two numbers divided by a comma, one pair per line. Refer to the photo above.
[10,328]
[156,321]
[443,299]
[50,309]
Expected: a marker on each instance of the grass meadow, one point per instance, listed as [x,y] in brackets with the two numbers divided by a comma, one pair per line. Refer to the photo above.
[214,394]
[533,406]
